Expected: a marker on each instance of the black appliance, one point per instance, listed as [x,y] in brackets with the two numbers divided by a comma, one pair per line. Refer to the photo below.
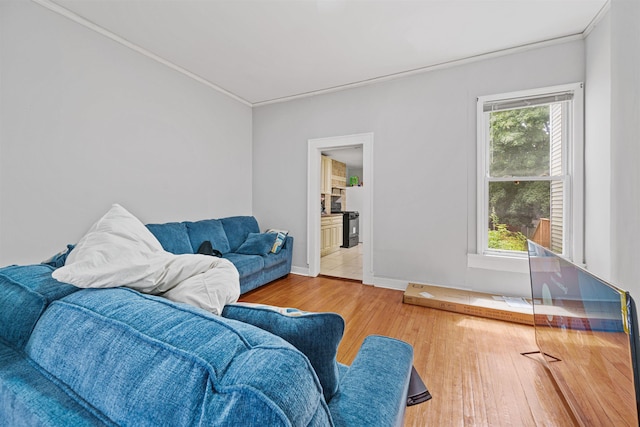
[336,203]
[350,229]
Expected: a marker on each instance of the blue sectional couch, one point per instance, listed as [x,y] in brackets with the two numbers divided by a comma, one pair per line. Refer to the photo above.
[229,236]
[104,357]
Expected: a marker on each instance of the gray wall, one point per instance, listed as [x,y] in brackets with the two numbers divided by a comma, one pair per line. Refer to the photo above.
[625,144]
[86,122]
[613,147]
[424,161]
[598,149]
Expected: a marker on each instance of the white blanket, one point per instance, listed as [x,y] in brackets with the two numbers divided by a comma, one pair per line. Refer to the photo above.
[118,250]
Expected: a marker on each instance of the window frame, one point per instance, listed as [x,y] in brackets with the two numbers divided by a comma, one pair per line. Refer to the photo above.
[572,176]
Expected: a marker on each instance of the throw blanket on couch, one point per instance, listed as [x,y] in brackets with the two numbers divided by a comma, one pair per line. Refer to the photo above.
[118,250]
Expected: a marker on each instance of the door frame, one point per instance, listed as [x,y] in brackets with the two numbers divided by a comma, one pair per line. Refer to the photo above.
[316,146]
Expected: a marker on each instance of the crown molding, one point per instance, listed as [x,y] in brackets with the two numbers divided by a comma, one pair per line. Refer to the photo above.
[54,7]
[421,70]
[594,22]
[51,5]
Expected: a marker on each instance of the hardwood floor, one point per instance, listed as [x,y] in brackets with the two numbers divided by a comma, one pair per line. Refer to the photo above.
[472,366]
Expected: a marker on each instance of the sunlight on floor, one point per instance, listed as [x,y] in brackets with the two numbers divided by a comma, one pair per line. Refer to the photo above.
[346,262]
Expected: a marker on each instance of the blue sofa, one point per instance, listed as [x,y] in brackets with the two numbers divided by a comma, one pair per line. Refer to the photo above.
[230,236]
[104,357]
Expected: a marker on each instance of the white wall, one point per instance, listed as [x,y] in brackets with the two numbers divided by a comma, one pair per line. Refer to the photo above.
[424,161]
[355,199]
[86,122]
[613,146]
[625,144]
[598,149]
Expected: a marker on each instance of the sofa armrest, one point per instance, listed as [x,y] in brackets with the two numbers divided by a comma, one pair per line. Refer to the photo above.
[288,243]
[374,389]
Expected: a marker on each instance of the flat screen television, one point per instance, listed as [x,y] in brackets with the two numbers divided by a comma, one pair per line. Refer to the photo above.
[587,331]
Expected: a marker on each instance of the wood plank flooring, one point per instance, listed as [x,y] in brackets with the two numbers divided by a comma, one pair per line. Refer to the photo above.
[472,366]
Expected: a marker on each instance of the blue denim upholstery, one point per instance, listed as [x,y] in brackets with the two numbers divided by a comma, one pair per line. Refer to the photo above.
[380,370]
[173,237]
[238,229]
[170,364]
[317,335]
[30,397]
[257,244]
[26,293]
[59,259]
[118,357]
[227,235]
[246,264]
[211,230]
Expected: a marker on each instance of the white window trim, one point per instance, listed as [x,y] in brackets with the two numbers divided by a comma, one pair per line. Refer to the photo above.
[516,261]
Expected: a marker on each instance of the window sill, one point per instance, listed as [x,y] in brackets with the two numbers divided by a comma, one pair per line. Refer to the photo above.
[500,263]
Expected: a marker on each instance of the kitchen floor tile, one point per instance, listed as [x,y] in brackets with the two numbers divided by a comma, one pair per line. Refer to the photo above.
[346,262]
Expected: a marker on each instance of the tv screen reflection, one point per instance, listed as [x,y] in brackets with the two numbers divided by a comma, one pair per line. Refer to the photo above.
[584,329]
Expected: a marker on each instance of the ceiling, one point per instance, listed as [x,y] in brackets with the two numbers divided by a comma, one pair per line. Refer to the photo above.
[262,51]
[351,156]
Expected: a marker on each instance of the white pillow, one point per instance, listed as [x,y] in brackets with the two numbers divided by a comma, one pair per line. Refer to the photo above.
[118,250]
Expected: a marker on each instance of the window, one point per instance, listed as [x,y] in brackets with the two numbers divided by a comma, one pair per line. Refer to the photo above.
[530,171]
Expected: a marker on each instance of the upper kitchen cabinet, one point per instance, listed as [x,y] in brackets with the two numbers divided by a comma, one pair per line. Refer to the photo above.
[333,182]
[338,175]
[334,175]
[326,170]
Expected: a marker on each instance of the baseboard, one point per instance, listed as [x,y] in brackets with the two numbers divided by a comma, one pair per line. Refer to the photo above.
[383,282]
[299,271]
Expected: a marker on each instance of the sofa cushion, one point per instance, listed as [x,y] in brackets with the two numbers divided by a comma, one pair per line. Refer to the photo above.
[208,230]
[271,259]
[173,237]
[246,264]
[257,244]
[317,335]
[28,397]
[25,292]
[238,228]
[145,361]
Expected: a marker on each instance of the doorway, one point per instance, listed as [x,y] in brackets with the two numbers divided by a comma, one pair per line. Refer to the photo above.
[363,143]
[343,258]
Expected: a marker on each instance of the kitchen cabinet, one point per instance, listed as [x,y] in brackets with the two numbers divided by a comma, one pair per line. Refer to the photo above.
[333,176]
[333,181]
[338,174]
[330,234]
[336,236]
[325,239]
[326,171]
[339,181]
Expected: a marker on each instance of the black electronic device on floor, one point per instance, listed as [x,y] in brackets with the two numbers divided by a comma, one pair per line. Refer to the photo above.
[418,392]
